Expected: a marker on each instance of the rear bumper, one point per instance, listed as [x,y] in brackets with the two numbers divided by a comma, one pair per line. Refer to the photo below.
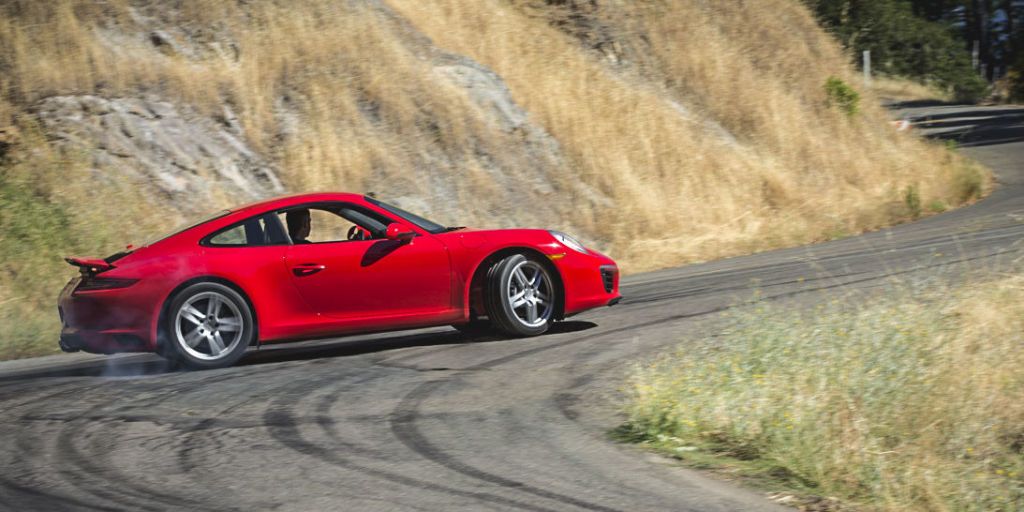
[101,342]
[105,322]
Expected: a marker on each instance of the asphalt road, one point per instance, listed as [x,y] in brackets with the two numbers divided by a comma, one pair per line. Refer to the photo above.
[434,421]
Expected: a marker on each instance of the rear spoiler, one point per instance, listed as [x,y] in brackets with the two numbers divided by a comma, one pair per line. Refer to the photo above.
[89,266]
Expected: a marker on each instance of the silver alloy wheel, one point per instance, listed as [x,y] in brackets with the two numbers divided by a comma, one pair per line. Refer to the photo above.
[530,294]
[208,326]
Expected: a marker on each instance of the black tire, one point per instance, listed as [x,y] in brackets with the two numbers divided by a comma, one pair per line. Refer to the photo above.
[500,286]
[211,350]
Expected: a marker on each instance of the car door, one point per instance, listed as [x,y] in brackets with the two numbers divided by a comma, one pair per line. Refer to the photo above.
[251,253]
[368,278]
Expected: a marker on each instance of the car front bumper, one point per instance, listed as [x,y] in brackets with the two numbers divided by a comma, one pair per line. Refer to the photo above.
[590,280]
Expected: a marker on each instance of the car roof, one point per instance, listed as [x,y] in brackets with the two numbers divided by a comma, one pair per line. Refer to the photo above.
[294,199]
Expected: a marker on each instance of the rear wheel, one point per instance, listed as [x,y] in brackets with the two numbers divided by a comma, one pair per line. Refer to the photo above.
[209,325]
[520,296]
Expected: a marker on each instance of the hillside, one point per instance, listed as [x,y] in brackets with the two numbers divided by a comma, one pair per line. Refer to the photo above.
[662,133]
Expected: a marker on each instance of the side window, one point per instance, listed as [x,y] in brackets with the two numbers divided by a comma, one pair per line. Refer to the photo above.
[263,230]
[325,226]
[233,236]
[338,222]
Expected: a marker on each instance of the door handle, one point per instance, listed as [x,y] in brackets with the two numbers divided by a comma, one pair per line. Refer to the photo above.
[307,269]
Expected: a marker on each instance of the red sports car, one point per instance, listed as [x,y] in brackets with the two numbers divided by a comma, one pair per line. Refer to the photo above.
[320,265]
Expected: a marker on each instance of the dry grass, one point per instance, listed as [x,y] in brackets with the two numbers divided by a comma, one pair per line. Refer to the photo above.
[711,137]
[792,171]
[910,403]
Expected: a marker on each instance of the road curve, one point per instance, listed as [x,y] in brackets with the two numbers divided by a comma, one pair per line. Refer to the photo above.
[434,421]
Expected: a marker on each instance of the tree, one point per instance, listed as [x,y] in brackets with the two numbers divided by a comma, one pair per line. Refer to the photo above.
[910,38]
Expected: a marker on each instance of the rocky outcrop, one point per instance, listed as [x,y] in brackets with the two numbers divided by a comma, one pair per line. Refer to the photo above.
[183,154]
[195,158]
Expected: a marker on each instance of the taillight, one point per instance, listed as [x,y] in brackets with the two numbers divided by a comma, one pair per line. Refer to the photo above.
[104,283]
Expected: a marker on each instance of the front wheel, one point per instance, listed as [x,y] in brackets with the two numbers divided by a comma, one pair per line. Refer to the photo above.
[209,325]
[520,296]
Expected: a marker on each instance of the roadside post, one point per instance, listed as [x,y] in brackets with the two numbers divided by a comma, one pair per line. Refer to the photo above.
[867,67]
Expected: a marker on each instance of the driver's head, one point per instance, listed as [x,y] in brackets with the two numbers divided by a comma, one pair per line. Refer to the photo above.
[298,223]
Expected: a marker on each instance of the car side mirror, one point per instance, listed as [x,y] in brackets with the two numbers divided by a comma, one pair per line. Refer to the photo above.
[397,231]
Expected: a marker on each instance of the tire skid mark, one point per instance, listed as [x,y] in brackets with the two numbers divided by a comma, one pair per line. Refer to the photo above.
[29,444]
[283,427]
[71,457]
[72,388]
[328,426]
[638,498]
[191,443]
[403,425]
[403,422]
[110,485]
[35,497]
[569,396]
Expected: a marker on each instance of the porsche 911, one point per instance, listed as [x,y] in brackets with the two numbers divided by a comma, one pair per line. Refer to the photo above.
[324,265]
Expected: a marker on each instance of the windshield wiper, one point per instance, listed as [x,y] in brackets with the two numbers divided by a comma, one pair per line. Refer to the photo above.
[455,228]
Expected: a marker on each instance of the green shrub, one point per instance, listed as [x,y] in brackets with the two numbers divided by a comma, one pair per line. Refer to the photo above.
[968,87]
[912,200]
[842,95]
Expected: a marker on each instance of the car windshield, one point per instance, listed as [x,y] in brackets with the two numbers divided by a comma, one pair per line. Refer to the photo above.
[424,224]
[195,221]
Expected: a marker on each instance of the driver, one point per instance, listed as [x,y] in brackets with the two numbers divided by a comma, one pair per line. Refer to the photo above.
[298,225]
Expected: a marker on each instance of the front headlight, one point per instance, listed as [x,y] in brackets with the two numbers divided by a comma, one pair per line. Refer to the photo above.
[569,241]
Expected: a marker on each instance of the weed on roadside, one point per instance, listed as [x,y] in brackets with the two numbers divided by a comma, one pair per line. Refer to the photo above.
[912,200]
[907,400]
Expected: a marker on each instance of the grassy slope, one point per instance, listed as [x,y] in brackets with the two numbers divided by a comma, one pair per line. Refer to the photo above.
[797,170]
[712,138]
[910,403]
